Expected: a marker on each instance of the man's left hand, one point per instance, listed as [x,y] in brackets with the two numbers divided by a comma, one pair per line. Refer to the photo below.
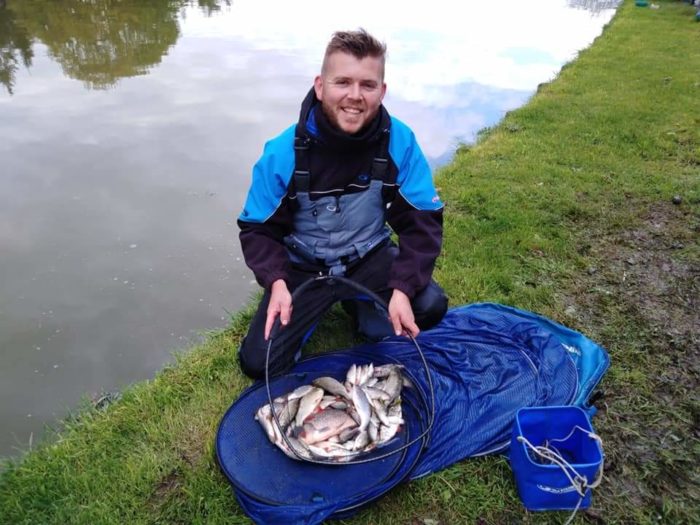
[401,314]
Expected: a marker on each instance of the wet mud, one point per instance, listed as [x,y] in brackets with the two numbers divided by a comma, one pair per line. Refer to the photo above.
[639,297]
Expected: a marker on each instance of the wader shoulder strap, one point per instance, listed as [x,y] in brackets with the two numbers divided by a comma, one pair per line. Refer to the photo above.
[302,174]
[301,162]
[380,163]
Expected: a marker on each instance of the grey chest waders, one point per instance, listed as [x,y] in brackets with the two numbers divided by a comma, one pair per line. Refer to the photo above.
[337,230]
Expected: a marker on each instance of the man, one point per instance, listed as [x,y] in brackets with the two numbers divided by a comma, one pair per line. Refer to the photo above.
[321,196]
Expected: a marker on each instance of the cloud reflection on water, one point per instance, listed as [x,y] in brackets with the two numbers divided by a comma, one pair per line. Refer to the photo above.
[159,159]
[445,61]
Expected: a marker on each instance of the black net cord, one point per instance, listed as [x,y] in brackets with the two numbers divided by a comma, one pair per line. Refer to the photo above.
[379,301]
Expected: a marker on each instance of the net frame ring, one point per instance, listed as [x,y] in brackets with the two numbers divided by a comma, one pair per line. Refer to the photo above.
[380,302]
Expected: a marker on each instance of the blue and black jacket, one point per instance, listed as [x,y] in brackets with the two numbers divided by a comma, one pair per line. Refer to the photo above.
[338,162]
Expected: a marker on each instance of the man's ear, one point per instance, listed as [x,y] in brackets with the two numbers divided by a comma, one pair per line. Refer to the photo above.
[318,87]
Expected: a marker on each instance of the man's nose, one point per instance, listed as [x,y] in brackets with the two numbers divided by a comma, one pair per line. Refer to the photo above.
[355,90]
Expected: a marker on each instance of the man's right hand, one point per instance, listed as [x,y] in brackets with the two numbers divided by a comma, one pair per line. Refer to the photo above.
[280,304]
[401,314]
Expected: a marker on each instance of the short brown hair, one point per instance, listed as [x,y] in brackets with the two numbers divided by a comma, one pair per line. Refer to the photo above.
[359,44]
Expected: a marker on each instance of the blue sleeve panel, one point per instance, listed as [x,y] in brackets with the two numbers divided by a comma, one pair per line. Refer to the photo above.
[271,176]
[415,179]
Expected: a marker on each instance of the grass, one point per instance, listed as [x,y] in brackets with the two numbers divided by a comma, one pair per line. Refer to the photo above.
[565,209]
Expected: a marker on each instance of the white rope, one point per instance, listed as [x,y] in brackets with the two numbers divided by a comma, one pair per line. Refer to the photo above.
[594,436]
[551,454]
[573,514]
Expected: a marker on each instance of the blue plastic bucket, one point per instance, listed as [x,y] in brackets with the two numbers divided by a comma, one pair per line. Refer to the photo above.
[567,435]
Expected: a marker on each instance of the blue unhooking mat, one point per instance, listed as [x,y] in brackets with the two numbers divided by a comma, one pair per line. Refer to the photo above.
[486,361]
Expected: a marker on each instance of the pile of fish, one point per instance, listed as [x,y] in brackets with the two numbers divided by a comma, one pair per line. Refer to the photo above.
[330,420]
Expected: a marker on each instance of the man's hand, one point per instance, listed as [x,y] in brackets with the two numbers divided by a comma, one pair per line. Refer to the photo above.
[401,314]
[280,304]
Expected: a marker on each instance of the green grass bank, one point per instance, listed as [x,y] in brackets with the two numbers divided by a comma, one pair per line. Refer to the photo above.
[566,208]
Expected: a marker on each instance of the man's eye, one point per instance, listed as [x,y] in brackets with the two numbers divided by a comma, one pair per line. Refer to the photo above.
[342,82]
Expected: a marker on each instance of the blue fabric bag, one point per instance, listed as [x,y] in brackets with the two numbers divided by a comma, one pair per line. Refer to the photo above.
[486,362]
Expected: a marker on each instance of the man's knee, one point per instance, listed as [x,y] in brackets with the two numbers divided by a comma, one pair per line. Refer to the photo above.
[252,356]
[252,360]
[429,306]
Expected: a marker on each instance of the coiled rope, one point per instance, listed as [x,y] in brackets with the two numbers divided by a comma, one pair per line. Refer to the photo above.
[551,454]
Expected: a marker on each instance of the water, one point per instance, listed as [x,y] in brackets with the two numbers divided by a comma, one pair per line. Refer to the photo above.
[126,139]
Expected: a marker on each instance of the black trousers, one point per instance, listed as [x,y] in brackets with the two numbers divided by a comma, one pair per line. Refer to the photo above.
[429,307]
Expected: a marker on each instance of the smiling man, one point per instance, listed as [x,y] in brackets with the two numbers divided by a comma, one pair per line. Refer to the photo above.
[350,89]
[321,198]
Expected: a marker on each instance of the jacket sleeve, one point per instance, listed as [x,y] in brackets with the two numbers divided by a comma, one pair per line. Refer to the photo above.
[266,216]
[415,214]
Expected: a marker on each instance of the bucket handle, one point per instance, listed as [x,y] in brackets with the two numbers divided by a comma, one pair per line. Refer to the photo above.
[379,301]
[578,482]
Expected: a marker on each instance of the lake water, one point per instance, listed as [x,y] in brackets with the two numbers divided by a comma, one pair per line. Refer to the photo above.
[127,134]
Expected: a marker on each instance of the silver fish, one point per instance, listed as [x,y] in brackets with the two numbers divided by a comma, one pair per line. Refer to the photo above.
[308,404]
[394,417]
[385,370]
[386,433]
[340,451]
[331,451]
[363,374]
[340,405]
[362,405]
[325,424]
[299,392]
[373,430]
[276,430]
[358,375]
[361,441]
[296,444]
[299,446]
[264,417]
[377,393]
[286,412]
[394,413]
[370,372]
[319,452]
[394,410]
[332,386]
[348,434]
[334,453]
[393,384]
[380,410]
[282,444]
[354,414]
[327,401]
[350,376]
[334,421]
[347,445]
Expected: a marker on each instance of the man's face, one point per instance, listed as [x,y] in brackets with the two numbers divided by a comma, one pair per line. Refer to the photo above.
[350,90]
